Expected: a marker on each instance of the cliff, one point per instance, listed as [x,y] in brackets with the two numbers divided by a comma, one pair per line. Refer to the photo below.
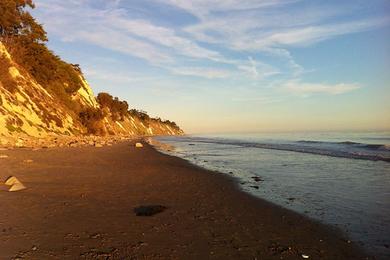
[30,108]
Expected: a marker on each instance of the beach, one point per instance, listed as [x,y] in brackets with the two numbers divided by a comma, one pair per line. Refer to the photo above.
[79,204]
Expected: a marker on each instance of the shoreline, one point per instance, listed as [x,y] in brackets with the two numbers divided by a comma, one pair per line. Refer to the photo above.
[79,204]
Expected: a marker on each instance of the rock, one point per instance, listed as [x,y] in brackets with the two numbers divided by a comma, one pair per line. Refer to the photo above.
[11,180]
[3,156]
[17,187]
[138,145]
[94,236]
[3,142]
[28,161]
[149,210]
[255,187]
[19,143]
[98,145]
[305,256]
[15,184]
[257,178]
[72,144]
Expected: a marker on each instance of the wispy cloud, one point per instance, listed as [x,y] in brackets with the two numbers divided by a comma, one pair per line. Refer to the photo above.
[122,43]
[161,36]
[210,73]
[307,89]
[258,70]
[226,38]
[118,77]
[200,8]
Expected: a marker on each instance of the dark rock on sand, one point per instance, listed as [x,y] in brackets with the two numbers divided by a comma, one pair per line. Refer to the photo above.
[149,210]
[257,179]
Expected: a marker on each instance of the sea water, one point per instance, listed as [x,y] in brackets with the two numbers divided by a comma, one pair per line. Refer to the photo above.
[340,179]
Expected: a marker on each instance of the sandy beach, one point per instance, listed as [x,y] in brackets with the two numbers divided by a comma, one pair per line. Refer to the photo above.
[79,204]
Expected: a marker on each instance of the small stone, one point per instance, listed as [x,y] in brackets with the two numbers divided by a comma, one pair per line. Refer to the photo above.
[17,187]
[98,145]
[149,210]
[138,145]
[94,236]
[72,144]
[11,180]
[3,142]
[257,178]
[19,143]
[305,256]
[3,156]
[34,248]
[28,161]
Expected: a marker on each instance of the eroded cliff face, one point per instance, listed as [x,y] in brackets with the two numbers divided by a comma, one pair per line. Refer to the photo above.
[28,109]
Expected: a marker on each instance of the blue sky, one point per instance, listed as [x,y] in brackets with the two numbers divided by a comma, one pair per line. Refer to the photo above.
[233,65]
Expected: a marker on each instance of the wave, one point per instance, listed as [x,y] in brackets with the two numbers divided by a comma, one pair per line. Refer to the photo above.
[344,149]
[355,144]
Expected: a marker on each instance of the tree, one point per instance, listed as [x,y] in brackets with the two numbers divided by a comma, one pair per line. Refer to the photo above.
[105,99]
[16,21]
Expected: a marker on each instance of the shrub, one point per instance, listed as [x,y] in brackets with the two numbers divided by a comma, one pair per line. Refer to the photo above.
[92,119]
[118,108]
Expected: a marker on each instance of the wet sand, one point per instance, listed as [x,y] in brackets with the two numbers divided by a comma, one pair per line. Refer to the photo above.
[79,204]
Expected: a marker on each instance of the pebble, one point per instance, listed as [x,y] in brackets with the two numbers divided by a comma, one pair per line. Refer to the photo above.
[3,156]
[59,141]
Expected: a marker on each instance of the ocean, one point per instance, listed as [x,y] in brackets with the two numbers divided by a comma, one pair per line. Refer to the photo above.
[340,179]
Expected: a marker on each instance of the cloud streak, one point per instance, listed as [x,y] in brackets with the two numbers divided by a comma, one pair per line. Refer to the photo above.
[306,89]
[224,41]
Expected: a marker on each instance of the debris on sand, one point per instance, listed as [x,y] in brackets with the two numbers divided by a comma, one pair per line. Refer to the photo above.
[15,184]
[149,210]
[257,178]
[138,145]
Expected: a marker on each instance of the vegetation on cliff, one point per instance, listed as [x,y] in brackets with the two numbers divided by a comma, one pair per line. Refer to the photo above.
[25,41]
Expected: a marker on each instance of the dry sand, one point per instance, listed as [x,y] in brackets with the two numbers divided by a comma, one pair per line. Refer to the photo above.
[79,204]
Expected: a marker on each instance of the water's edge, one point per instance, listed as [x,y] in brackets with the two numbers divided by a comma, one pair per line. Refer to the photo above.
[289,197]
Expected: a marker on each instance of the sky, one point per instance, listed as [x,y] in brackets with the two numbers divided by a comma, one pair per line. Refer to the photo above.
[233,65]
